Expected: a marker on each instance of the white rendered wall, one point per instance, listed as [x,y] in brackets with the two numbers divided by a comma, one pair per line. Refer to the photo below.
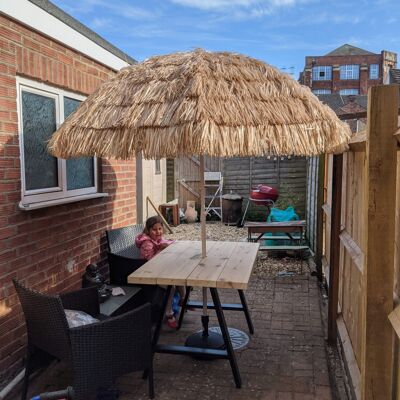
[154,186]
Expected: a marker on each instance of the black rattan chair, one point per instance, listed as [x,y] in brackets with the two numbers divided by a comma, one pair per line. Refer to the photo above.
[124,258]
[123,255]
[98,353]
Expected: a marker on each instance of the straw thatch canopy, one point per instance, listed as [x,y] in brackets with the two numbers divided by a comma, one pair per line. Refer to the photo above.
[219,104]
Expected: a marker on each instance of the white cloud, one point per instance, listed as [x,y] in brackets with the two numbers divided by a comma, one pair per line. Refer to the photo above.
[98,23]
[118,8]
[214,4]
[248,7]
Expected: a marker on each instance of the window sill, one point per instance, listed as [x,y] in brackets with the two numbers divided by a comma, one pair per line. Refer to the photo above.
[50,203]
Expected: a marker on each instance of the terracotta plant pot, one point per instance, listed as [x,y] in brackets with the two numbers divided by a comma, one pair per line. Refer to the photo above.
[191,213]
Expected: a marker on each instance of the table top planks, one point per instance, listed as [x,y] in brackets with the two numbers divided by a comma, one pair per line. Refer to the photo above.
[208,270]
[227,265]
[237,273]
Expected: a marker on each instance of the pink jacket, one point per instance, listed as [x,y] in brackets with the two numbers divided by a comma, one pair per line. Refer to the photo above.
[149,247]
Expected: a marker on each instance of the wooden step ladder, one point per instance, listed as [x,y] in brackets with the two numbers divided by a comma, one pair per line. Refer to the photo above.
[213,183]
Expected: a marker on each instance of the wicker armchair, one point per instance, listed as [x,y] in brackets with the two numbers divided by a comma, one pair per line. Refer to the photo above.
[124,258]
[123,255]
[98,353]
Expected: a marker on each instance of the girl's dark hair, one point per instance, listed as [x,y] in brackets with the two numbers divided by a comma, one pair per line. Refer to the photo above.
[151,222]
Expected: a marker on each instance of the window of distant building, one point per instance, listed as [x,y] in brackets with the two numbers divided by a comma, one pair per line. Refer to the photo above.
[374,71]
[321,91]
[42,108]
[349,72]
[346,92]
[322,73]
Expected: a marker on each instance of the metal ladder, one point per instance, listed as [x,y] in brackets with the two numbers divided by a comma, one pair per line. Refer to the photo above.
[213,182]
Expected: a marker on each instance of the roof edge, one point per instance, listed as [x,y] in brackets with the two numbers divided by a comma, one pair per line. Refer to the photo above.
[349,46]
[73,23]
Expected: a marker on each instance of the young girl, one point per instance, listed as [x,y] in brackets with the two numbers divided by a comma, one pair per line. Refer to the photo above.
[150,243]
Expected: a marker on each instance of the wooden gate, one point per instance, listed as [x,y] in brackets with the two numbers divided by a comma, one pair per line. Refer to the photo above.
[187,177]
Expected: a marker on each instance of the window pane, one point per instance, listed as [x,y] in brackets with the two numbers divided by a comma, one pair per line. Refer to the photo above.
[80,171]
[347,92]
[321,91]
[322,73]
[70,105]
[349,72]
[39,123]
[374,71]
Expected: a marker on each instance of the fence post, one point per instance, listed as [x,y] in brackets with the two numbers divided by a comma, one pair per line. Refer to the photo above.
[320,216]
[379,226]
[334,258]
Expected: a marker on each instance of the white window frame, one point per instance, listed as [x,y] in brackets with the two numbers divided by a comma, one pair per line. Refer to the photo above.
[374,71]
[349,92]
[350,72]
[315,73]
[59,193]
[321,91]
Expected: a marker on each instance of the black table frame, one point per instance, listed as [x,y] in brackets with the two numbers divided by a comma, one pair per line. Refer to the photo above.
[228,353]
[225,306]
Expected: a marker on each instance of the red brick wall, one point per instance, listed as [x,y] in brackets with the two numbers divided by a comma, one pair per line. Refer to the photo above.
[336,83]
[49,248]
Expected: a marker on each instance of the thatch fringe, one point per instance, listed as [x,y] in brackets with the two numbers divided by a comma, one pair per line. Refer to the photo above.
[219,104]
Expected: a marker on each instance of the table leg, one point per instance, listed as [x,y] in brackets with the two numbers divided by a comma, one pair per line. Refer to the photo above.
[246,311]
[183,308]
[259,237]
[157,330]
[227,339]
[290,237]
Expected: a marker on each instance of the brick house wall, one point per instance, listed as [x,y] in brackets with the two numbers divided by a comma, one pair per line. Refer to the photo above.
[48,248]
[336,84]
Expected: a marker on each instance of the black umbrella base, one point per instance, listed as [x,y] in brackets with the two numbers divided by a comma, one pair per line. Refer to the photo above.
[212,341]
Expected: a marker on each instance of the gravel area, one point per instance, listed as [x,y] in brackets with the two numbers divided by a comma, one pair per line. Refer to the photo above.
[265,265]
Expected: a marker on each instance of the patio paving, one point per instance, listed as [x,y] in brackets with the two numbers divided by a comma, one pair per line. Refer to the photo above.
[285,358]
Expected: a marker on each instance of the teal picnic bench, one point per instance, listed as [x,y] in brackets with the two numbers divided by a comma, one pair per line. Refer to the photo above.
[293,230]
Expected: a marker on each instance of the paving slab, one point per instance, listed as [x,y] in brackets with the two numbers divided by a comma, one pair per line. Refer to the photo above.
[285,358]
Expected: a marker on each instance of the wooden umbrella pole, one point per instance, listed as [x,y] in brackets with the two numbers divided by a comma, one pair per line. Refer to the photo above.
[202,209]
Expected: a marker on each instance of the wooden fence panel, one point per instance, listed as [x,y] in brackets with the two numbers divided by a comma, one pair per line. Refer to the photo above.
[369,250]
[311,202]
[326,250]
[240,174]
[289,175]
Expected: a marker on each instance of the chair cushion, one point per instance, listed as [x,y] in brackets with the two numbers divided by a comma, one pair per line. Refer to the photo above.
[78,318]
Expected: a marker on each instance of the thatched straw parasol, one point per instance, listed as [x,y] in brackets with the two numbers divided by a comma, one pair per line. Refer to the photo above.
[200,103]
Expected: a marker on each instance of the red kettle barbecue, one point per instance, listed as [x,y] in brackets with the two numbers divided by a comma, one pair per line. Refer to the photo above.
[264,192]
[262,195]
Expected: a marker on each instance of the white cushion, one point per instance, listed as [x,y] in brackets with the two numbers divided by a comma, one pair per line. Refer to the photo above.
[77,318]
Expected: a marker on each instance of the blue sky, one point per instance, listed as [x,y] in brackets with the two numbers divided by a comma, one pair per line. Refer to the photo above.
[279,32]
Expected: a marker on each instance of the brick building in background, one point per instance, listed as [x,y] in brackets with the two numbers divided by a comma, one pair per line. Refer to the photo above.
[347,70]
[53,213]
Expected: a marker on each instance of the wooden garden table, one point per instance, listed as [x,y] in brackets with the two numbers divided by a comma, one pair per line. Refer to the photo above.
[228,265]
